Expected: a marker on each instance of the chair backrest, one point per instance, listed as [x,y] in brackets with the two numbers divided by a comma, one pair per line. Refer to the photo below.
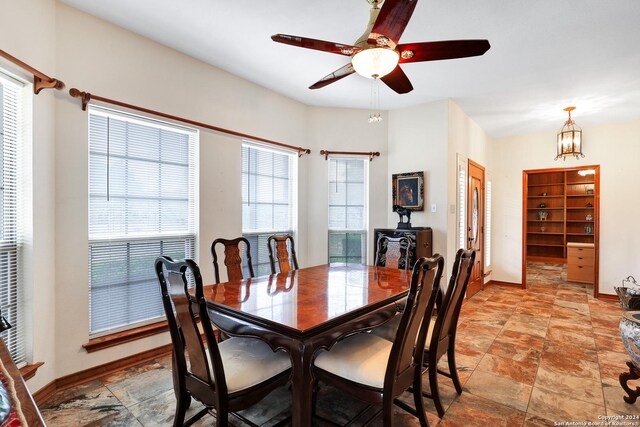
[201,379]
[232,258]
[447,321]
[393,255]
[412,332]
[282,253]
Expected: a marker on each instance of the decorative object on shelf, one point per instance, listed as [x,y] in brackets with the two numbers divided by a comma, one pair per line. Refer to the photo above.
[589,190]
[403,212]
[629,294]
[588,229]
[589,217]
[630,333]
[542,205]
[407,191]
[543,194]
[543,229]
[589,205]
[543,215]
[569,139]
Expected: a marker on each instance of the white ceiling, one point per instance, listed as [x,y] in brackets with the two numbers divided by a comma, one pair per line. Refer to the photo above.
[544,56]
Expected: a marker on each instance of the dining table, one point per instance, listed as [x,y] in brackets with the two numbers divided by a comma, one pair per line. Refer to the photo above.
[306,310]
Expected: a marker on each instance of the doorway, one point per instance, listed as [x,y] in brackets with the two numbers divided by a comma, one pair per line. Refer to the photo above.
[560,224]
[475,224]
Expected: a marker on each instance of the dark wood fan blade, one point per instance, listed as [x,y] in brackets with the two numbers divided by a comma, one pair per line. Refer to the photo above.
[392,19]
[333,77]
[325,46]
[447,49]
[398,81]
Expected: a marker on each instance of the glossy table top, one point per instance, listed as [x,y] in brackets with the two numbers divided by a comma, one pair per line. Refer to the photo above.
[310,297]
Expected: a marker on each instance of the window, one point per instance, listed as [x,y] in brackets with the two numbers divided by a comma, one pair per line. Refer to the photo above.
[348,213]
[462,202]
[142,204]
[487,228]
[268,198]
[13,96]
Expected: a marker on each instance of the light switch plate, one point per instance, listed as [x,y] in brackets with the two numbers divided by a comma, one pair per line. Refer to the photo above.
[434,207]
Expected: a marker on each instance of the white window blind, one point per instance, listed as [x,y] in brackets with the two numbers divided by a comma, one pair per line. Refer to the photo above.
[142,204]
[348,212]
[12,134]
[462,201]
[487,228]
[268,198]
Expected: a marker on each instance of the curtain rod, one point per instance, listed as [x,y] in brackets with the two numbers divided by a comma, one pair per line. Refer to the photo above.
[371,154]
[40,79]
[86,97]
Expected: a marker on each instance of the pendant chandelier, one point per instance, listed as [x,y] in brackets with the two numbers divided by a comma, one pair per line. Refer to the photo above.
[569,139]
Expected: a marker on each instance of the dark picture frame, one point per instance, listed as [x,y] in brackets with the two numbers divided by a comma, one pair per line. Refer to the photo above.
[407,190]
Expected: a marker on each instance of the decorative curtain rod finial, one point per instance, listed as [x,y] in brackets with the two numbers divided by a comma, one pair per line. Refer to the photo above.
[84,96]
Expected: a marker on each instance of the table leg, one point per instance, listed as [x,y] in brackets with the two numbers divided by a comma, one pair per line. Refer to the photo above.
[301,384]
[633,374]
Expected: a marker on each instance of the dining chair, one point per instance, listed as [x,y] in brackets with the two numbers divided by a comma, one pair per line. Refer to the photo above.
[232,258]
[377,371]
[441,337]
[225,377]
[392,257]
[280,243]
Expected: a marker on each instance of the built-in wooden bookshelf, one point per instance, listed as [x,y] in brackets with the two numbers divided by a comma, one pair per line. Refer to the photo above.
[560,206]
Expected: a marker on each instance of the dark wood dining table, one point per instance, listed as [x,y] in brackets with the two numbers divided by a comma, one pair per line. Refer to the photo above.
[307,310]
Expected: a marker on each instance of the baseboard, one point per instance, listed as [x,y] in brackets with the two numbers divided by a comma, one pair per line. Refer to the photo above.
[95,372]
[608,297]
[505,284]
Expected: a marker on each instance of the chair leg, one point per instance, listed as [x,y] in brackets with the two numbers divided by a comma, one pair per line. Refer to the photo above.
[387,411]
[453,371]
[433,385]
[419,402]
[182,404]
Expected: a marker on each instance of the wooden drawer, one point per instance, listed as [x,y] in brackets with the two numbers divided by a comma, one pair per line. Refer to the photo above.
[586,253]
[581,259]
[580,273]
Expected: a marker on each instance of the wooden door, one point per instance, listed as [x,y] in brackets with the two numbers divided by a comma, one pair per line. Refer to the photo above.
[475,225]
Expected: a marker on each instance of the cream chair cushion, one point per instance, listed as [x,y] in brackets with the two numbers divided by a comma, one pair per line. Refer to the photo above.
[389,329]
[361,358]
[250,361]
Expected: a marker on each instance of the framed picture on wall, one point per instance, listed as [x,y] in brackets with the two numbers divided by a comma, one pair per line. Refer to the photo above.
[407,191]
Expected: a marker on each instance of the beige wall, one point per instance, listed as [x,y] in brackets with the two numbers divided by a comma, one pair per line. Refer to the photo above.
[616,148]
[35,44]
[472,142]
[339,129]
[418,141]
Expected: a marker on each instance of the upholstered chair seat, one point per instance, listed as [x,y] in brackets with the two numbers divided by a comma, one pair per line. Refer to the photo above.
[250,355]
[361,358]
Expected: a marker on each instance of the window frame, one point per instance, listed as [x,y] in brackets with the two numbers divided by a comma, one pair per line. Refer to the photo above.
[106,241]
[259,255]
[364,232]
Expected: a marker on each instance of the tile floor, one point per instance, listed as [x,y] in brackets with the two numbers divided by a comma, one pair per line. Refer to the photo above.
[526,358]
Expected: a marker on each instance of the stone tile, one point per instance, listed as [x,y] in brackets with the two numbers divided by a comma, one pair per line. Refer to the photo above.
[471,411]
[565,363]
[521,339]
[556,407]
[612,364]
[527,328]
[569,349]
[521,372]
[580,339]
[499,389]
[614,402]
[90,404]
[152,380]
[609,343]
[514,352]
[571,386]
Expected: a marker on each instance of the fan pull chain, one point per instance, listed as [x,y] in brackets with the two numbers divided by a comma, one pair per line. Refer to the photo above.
[374,114]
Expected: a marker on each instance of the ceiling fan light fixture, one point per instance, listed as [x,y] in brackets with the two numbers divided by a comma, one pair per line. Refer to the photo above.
[569,139]
[375,63]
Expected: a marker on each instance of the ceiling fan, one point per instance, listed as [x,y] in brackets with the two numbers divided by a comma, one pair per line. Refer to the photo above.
[377,54]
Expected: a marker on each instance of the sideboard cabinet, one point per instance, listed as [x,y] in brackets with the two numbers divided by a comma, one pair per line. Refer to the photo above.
[421,241]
